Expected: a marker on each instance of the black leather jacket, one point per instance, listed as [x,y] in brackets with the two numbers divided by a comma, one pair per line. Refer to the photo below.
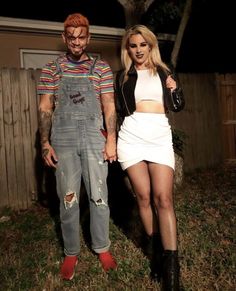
[125,100]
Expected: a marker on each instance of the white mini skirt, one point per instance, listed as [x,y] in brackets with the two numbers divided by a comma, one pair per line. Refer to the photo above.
[145,137]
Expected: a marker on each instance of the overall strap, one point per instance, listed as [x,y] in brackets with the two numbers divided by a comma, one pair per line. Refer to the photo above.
[58,67]
[91,70]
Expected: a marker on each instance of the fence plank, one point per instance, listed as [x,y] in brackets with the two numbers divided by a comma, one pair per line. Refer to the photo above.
[3,165]
[32,91]
[229,137]
[227,90]
[18,141]
[9,139]
[27,138]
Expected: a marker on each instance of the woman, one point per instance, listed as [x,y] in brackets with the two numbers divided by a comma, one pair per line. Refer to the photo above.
[144,146]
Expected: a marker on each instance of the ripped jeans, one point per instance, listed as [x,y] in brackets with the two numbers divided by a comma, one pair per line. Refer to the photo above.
[78,145]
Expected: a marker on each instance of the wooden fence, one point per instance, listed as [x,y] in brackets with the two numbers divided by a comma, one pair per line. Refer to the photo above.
[21,168]
[18,130]
[227,93]
[200,121]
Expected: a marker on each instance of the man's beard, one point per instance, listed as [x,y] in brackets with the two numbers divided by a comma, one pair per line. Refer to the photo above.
[76,54]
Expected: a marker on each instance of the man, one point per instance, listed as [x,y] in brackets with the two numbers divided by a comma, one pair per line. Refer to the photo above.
[76,101]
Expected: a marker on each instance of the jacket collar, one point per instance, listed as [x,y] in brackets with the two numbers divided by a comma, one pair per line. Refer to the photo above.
[132,70]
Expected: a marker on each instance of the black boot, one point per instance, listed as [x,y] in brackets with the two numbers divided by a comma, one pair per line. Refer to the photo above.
[147,243]
[154,251]
[157,258]
[170,274]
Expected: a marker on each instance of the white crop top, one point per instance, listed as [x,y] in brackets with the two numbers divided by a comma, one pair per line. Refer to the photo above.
[148,87]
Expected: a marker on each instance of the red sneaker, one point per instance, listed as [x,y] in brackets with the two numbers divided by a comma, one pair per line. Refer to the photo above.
[68,267]
[107,261]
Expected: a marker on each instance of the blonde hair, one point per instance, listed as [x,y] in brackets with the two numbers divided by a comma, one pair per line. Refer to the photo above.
[154,58]
[76,20]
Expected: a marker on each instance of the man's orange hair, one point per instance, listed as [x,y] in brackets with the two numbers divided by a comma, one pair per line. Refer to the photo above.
[76,20]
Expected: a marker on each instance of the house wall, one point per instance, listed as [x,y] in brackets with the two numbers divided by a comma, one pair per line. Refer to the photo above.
[28,34]
[12,42]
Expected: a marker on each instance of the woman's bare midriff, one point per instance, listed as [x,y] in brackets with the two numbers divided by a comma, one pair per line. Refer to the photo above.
[150,106]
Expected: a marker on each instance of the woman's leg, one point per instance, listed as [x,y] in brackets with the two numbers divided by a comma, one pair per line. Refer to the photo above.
[140,181]
[162,187]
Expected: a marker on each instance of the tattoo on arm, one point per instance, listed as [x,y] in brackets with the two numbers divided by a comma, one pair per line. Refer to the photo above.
[111,123]
[110,113]
[45,122]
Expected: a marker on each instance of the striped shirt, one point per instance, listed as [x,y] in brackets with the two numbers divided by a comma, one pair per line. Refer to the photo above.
[102,77]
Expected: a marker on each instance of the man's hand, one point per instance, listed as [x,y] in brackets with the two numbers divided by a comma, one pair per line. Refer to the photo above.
[49,155]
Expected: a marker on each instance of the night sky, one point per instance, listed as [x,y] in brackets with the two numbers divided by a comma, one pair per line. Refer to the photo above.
[209,40]
[52,10]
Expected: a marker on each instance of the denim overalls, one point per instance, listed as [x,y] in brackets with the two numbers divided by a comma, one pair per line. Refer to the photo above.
[77,139]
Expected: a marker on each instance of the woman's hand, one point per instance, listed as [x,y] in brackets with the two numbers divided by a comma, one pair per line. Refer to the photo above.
[109,152]
[171,83]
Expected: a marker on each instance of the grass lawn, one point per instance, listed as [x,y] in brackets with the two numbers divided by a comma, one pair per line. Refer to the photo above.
[31,246]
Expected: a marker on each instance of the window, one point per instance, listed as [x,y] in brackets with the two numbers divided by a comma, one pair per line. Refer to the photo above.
[36,59]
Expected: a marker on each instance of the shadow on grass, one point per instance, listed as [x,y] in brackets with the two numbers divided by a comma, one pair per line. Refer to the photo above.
[123,205]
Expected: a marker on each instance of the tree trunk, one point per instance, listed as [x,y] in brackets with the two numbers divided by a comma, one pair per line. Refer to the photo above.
[134,10]
[180,33]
